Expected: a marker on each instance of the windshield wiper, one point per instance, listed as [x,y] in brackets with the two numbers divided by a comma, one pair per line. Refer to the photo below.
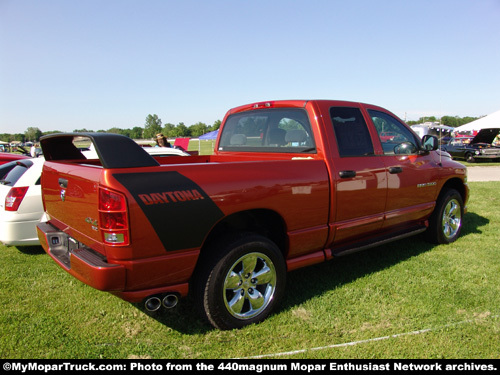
[5,182]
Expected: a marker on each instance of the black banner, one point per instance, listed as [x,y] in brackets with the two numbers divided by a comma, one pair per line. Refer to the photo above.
[261,366]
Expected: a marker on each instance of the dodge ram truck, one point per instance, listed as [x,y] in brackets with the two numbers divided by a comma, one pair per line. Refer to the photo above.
[289,184]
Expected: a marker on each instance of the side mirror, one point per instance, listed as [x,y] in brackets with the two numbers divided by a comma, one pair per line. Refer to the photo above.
[430,143]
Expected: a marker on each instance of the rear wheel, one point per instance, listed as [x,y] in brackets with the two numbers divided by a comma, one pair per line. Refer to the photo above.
[243,282]
[445,222]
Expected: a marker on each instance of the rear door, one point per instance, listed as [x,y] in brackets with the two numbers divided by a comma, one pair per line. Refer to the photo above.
[359,178]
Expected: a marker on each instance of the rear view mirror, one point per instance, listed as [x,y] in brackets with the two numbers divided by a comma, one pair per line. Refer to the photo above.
[430,143]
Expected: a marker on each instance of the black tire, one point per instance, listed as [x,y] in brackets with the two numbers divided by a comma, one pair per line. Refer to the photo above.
[241,281]
[469,157]
[445,222]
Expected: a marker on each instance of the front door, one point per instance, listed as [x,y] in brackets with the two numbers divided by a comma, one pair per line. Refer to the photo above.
[412,175]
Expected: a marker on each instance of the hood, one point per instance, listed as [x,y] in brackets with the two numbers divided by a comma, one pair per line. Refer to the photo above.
[443,153]
[486,136]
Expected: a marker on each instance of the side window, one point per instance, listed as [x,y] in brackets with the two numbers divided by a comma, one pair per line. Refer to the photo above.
[394,136]
[351,132]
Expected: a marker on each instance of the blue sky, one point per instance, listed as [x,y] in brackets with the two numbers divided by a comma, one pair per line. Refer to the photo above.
[98,64]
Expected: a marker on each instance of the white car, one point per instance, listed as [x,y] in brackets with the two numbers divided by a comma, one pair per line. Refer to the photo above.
[20,201]
[153,151]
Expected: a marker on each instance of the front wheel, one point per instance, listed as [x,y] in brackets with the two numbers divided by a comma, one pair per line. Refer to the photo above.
[445,222]
[243,283]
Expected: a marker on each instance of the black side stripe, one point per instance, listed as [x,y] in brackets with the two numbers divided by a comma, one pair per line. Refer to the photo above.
[179,211]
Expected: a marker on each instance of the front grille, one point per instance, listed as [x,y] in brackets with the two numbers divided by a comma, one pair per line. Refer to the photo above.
[490,151]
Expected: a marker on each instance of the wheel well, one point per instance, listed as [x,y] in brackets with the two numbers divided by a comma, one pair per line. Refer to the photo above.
[264,222]
[458,185]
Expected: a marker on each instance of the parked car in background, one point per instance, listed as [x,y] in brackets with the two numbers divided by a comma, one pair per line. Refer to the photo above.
[91,153]
[472,149]
[387,136]
[20,201]
[6,157]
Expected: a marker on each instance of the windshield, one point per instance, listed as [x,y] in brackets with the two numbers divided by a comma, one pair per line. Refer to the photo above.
[281,130]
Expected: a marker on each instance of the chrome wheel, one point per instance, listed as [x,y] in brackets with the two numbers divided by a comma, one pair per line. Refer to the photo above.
[241,280]
[249,285]
[452,219]
[445,223]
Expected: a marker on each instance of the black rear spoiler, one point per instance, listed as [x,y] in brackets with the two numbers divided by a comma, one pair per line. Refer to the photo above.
[113,150]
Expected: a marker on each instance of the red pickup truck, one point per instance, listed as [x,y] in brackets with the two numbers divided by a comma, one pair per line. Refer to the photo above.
[290,184]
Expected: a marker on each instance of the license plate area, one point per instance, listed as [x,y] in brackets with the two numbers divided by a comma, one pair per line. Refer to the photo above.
[61,246]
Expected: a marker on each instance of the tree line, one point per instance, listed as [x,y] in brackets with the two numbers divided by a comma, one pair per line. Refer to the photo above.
[153,125]
[453,121]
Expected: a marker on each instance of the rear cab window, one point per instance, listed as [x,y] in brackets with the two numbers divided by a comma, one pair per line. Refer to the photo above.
[283,130]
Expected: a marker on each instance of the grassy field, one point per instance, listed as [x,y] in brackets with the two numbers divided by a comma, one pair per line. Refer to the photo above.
[405,300]
[203,147]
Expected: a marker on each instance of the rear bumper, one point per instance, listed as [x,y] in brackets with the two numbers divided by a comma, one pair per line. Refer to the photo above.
[80,261]
[18,233]
[130,280]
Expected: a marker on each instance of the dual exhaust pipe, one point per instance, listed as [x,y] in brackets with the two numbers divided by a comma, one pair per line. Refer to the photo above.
[154,303]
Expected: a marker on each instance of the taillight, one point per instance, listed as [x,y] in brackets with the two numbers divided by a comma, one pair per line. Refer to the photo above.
[14,198]
[113,217]
[263,105]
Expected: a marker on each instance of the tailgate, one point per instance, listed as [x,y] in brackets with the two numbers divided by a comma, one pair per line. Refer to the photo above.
[70,195]
[71,183]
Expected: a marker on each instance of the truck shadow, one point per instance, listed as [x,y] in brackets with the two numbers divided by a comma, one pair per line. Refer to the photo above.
[306,283]
[31,250]
[309,282]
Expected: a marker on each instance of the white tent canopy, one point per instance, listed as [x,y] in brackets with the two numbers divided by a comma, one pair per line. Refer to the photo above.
[490,121]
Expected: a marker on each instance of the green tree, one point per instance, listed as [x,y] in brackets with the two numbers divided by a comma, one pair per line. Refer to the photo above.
[168,130]
[198,129]
[181,130]
[136,132]
[152,126]
[17,137]
[116,131]
[450,121]
[216,125]
[32,134]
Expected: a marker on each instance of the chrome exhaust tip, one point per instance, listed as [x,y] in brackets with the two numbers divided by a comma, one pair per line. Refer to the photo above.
[152,304]
[170,301]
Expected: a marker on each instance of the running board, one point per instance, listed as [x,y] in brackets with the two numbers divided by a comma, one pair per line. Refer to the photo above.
[341,251]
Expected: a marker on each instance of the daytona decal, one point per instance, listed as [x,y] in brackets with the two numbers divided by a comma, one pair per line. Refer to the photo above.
[179,211]
[170,196]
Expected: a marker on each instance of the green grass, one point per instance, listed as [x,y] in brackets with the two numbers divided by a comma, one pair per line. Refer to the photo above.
[203,147]
[486,163]
[452,292]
